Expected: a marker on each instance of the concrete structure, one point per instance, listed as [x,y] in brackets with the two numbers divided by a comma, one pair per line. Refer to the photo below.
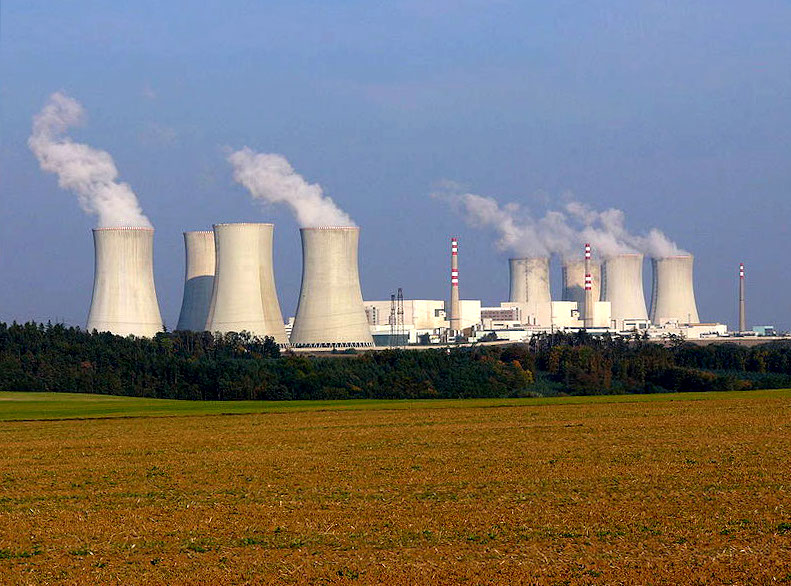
[455,318]
[742,316]
[330,311]
[673,293]
[419,314]
[244,297]
[622,286]
[574,284]
[198,280]
[124,298]
[529,286]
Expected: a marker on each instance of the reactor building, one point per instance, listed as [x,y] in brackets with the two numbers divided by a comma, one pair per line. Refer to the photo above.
[124,300]
[198,280]
[244,297]
[330,311]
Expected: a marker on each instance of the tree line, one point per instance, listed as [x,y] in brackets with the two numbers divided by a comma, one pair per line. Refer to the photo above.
[204,366]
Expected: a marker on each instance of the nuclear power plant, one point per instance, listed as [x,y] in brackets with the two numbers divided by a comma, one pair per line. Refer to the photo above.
[244,297]
[198,280]
[124,300]
[673,293]
[330,312]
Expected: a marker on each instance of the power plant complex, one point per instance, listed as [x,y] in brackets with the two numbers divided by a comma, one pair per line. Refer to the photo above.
[229,286]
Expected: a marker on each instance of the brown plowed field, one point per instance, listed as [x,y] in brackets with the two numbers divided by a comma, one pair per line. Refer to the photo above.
[652,492]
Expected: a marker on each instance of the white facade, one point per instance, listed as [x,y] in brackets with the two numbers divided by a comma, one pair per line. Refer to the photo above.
[244,297]
[330,311]
[421,314]
[198,280]
[673,291]
[124,300]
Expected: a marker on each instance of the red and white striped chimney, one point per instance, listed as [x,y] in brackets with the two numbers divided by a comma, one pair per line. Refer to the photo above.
[742,316]
[455,319]
[587,315]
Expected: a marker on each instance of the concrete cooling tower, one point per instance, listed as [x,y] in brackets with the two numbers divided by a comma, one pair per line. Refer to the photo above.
[622,286]
[574,281]
[673,294]
[124,298]
[529,288]
[330,311]
[244,297]
[198,280]
[529,280]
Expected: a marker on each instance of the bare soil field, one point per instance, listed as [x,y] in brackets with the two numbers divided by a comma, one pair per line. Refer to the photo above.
[586,492]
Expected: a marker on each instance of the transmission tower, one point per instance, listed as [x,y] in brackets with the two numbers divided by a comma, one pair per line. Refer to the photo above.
[392,320]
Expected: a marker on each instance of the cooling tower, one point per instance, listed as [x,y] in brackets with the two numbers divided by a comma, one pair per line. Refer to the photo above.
[529,280]
[330,311]
[124,298]
[574,282]
[622,286]
[244,297]
[198,280]
[673,294]
[455,314]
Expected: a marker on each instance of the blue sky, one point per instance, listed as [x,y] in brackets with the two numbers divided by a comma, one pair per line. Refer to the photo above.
[676,112]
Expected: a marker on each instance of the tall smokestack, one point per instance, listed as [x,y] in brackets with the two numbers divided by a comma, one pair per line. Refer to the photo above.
[742,314]
[673,293]
[588,315]
[455,317]
[124,298]
[574,272]
[622,286]
[244,297]
[198,280]
[330,311]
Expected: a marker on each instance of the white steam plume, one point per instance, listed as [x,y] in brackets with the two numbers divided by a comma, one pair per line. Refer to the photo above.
[88,172]
[270,177]
[562,232]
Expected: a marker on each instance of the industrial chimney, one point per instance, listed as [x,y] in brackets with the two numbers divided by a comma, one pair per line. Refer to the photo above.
[622,286]
[124,298]
[742,315]
[574,279]
[330,312]
[198,280]
[673,294]
[455,314]
[244,297]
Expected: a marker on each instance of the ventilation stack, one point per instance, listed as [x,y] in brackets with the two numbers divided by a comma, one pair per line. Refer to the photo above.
[574,273]
[455,314]
[124,298]
[330,312]
[530,289]
[622,286]
[244,297]
[673,293]
[742,315]
[198,280]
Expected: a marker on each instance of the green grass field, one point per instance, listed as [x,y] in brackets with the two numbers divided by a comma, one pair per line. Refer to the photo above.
[42,406]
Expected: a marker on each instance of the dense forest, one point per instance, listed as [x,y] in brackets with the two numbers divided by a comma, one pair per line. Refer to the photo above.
[190,365]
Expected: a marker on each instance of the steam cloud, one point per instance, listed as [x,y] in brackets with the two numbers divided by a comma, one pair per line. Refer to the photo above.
[271,178]
[88,172]
[562,232]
